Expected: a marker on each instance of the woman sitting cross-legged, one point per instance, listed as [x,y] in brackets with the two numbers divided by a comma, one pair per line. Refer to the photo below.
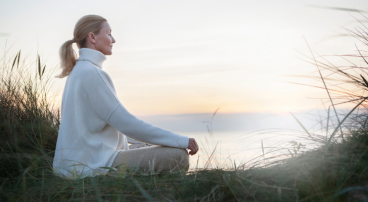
[95,125]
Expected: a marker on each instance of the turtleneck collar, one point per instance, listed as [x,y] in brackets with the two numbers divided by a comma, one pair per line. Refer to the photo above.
[94,56]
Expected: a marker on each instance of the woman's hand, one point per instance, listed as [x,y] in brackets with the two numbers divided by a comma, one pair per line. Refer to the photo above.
[193,146]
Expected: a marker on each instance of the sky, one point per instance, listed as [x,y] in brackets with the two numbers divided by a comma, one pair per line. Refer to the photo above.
[193,57]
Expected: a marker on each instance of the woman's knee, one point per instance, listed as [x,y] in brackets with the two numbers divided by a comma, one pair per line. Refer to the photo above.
[181,157]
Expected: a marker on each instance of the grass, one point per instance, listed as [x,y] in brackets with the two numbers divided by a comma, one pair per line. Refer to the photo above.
[335,170]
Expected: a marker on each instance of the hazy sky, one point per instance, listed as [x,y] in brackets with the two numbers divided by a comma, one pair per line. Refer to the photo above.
[179,57]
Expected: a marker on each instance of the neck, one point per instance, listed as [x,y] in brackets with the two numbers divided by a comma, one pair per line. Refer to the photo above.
[91,46]
[92,55]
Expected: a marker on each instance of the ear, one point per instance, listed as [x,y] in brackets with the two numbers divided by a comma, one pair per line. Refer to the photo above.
[91,37]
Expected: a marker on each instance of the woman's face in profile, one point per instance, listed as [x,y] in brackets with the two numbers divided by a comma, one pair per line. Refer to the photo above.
[104,40]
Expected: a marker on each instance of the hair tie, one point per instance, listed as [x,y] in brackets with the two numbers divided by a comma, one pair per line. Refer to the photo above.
[74,40]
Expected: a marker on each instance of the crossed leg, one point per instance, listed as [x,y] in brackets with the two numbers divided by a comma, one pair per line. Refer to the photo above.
[151,160]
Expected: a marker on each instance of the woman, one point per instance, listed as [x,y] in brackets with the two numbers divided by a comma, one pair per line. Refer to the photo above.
[94,122]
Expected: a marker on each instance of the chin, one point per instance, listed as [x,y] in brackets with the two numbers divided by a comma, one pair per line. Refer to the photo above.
[107,52]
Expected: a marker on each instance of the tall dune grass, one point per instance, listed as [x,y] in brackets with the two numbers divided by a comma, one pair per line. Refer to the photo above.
[28,123]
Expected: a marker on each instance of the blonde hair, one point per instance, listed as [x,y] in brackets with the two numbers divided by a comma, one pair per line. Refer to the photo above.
[85,25]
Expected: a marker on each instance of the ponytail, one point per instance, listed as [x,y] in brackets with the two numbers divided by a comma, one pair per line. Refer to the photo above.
[85,25]
[68,58]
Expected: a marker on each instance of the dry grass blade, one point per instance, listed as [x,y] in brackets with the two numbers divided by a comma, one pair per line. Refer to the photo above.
[43,71]
[213,115]
[39,66]
[15,59]
[365,81]
[310,136]
[209,123]
[328,120]
[18,59]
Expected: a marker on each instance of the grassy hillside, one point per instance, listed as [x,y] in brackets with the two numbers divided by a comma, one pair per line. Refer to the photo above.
[337,170]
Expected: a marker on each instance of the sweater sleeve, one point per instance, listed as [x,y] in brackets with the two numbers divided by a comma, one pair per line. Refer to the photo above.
[105,103]
[139,130]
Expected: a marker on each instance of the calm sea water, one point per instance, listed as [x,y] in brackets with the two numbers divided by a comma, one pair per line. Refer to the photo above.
[245,148]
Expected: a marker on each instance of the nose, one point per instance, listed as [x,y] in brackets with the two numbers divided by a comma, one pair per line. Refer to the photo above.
[113,40]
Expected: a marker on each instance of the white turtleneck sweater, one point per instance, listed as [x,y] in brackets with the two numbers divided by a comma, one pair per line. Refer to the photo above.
[93,122]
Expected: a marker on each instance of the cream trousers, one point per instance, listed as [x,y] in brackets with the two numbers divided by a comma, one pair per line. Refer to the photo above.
[151,160]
